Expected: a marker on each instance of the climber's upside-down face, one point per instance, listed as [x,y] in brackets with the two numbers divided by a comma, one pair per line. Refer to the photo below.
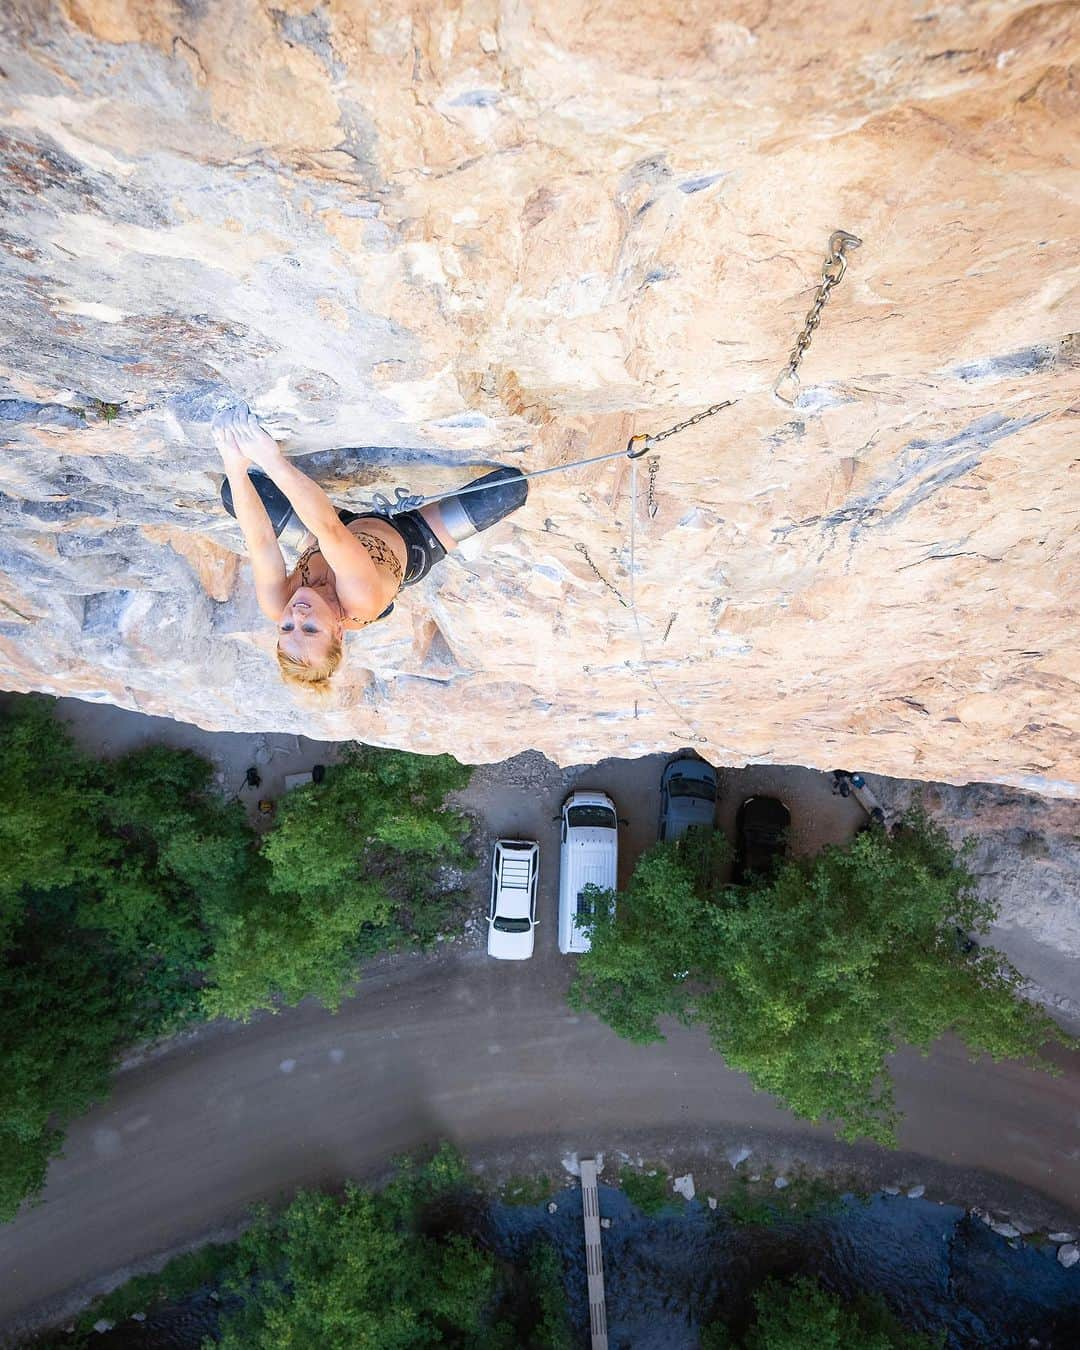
[308,626]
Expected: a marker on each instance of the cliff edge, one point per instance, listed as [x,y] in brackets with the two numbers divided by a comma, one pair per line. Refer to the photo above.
[425,238]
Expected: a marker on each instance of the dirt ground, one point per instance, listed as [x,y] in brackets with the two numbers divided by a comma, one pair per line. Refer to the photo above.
[106,730]
[1027,855]
[520,798]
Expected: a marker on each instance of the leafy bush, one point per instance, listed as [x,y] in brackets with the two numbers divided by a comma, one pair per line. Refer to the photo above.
[803,1316]
[647,1191]
[104,868]
[760,1204]
[527,1190]
[350,867]
[547,1293]
[809,980]
[393,1269]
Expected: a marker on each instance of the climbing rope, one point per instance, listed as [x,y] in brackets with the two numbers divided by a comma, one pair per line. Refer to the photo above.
[635,448]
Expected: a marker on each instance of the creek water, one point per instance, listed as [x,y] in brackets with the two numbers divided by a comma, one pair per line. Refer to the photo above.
[667,1275]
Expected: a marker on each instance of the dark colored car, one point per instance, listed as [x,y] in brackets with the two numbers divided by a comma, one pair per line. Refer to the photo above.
[761,828]
[687,797]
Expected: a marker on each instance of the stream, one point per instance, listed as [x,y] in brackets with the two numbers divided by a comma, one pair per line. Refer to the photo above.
[666,1275]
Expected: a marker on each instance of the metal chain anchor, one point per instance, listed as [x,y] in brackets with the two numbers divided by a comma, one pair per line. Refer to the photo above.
[786,388]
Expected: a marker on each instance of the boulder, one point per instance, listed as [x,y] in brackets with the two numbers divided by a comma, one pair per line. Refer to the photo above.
[1068,1255]
[684,1186]
[422,241]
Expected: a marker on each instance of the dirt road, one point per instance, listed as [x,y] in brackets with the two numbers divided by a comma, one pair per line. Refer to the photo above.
[486,1055]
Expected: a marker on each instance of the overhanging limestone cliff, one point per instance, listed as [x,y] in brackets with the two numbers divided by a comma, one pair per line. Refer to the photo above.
[433,236]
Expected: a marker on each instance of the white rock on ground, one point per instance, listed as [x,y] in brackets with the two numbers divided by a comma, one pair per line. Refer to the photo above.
[684,1186]
[1062,1237]
[781,1182]
[916,1192]
[1006,1230]
[1069,1254]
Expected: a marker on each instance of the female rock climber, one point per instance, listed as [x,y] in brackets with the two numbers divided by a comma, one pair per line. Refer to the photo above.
[351,566]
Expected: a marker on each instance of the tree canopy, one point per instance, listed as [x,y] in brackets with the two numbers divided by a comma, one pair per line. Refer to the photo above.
[134,899]
[809,980]
[351,867]
[398,1269]
[803,1316]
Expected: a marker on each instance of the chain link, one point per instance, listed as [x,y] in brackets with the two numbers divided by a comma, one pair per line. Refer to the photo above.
[832,273]
[690,422]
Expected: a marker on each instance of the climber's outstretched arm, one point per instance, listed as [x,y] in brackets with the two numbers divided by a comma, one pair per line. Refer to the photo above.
[356,573]
[267,564]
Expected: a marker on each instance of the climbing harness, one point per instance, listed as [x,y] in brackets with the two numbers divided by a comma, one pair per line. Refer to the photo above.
[785,389]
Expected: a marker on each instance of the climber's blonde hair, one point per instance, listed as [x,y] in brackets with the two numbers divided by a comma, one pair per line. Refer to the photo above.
[313,675]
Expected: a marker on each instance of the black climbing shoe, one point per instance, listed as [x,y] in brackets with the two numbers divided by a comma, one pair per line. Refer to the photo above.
[466,513]
[278,506]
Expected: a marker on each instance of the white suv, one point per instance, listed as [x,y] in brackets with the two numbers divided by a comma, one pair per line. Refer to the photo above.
[589,857]
[512,911]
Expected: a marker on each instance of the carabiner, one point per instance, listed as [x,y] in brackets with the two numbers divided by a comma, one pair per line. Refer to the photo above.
[644,443]
[788,378]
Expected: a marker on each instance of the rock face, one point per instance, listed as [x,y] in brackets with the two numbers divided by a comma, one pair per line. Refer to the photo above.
[426,238]
[1025,856]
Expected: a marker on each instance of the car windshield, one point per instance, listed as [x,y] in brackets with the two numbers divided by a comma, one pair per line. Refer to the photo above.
[591,818]
[512,925]
[692,787]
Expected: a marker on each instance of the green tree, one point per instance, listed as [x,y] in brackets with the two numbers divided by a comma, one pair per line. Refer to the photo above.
[105,869]
[809,980]
[48,834]
[61,1023]
[803,1316]
[366,1270]
[350,867]
[134,898]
